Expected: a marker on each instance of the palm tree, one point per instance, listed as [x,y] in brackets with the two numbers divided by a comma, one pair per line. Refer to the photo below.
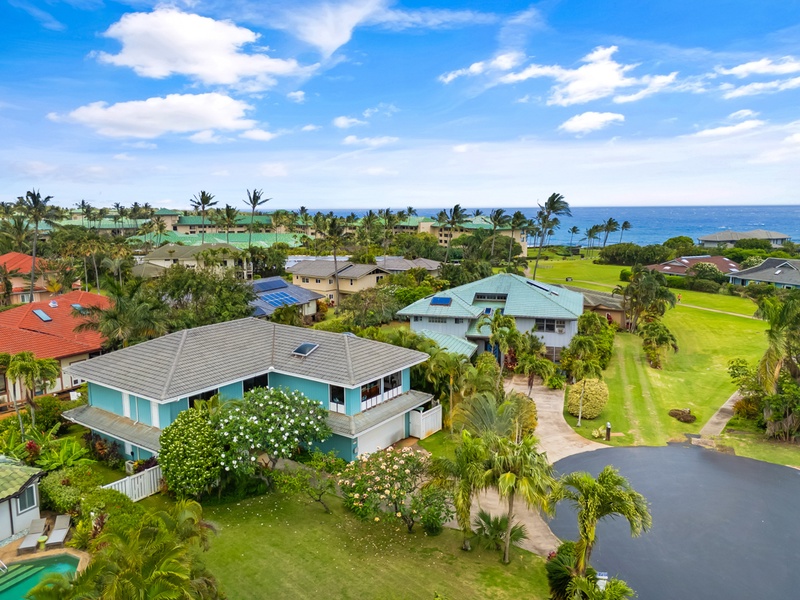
[202,202]
[130,319]
[37,210]
[464,475]
[783,317]
[609,227]
[583,364]
[592,233]
[503,332]
[646,294]
[626,225]
[511,415]
[554,206]
[518,469]
[185,521]
[532,365]
[585,588]
[227,219]
[6,286]
[573,231]
[499,219]
[16,233]
[610,495]
[336,239]
[655,337]
[456,217]
[518,222]
[31,373]
[450,367]
[255,199]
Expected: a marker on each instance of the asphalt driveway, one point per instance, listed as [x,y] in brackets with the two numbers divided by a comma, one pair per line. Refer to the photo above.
[723,526]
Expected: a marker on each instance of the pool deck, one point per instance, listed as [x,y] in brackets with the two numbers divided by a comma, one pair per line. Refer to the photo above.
[8,553]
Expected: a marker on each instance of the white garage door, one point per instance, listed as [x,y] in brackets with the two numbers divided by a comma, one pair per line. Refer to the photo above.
[383,436]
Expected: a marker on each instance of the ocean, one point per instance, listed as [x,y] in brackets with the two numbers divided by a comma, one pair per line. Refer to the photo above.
[656,224]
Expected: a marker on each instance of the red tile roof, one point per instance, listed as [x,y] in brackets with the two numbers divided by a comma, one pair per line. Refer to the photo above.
[18,260]
[21,329]
[680,265]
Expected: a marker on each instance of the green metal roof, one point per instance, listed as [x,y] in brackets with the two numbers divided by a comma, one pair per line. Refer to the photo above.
[451,343]
[14,476]
[168,212]
[242,219]
[239,240]
[525,298]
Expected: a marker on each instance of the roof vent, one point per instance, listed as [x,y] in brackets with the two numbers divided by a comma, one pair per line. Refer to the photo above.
[305,349]
[53,304]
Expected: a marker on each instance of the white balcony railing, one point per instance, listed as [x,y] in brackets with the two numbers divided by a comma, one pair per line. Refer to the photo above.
[380,398]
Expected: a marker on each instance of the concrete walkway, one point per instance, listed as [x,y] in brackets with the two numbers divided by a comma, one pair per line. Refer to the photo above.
[716,424]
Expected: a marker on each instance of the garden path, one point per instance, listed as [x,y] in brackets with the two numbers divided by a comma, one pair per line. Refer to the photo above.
[716,424]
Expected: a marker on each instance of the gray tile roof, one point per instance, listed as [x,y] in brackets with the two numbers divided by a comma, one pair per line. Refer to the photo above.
[772,270]
[593,298]
[170,251]
[262,308]
[524,298]
[732,236]
[116,426]
[358,271]
[317,268]
[398,263]
[352,426]
[194,360]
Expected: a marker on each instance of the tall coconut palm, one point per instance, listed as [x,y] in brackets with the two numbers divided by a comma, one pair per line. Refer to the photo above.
[592,233]
[609,495]
[499,220]
[16,234]
[464,475]
[448,367]
[336,239]
[646,294]
[626,225]
[6,285]
[254,200]
[518,469]
[533,365]
[37,210]
[554,206]
[227,220]
[609,227]
[783,317]
[502,333]
[456,217]
[518,222]
[202,203]
[655,338]
[583,364]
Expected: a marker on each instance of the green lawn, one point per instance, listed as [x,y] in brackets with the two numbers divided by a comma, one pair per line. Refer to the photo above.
[287,547]
[441,443]
[747,440]
[640,397]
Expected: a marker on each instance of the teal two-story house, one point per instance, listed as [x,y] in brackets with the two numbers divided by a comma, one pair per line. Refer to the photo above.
[365,385]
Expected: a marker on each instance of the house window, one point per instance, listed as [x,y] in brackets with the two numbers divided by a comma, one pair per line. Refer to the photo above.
[27,500]
[204,396]
[392,382]
[351,282]
[370,394]
[437,320]
[24,298]
[459,321]
[260,381]
[418,319]
[305,279]
[330,281]
[550,325]
[378,278]
[330,296]
[337,399]
[317,281]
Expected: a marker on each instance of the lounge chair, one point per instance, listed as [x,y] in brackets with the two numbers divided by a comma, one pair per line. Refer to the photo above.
[59,533]
[35,531]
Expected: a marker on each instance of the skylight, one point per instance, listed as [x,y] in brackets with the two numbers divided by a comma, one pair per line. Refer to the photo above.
[42,315]
[77,307]
[305,349]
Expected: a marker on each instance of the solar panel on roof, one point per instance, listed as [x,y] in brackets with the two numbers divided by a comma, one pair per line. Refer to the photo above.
[42,315]
[275,284]
[277,299]
[305,349]
[441,301]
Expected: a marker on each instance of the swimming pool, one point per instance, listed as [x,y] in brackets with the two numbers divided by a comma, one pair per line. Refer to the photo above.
[23,576]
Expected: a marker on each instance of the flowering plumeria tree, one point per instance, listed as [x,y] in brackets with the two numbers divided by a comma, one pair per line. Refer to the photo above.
[190,454]
[272,421]
[390,481]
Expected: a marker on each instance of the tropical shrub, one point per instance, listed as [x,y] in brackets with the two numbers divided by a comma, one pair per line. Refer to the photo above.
[491,530]
[556,381]
[122,513]
[705,285]
[144,464]
[625,275]
[102,450]
[311,478]
[676,282]
[62,490]
[390,482]
[560,567]
[274,421]
[48,412]
[67,453]
[191,454]
[595,397]
[435,507]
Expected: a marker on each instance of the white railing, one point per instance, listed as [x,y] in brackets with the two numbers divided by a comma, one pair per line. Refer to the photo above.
[3,567]
[423,424]
[139,486]
[380,398]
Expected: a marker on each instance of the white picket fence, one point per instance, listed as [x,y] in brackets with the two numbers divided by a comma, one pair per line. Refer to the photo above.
[139,486]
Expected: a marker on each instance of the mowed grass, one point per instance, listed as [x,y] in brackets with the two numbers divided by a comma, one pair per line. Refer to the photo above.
[747,439]
[277,546]
[605,278]
[641,397]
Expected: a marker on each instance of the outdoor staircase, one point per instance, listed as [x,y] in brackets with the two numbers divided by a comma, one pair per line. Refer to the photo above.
[17,573]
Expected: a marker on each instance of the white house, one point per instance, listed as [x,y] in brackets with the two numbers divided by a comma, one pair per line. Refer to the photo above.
[19,496]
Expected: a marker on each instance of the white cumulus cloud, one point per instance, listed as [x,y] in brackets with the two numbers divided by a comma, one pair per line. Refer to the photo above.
[151,118]
[762,87]
[260,135]
[298,96]
[764,66]
[590,121]
[310,127]
[599,77]
[730,129]
[347,122]
[170,42]
[207,136]
[745,113]
[372,142]
[501,62]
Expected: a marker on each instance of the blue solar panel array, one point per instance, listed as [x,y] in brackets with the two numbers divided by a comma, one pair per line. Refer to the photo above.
[277,299]
[266,286]
[441,301]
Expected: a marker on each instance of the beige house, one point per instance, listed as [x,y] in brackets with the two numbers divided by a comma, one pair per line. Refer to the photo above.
[443,232]
[20,265]
[223,256]
[320,276]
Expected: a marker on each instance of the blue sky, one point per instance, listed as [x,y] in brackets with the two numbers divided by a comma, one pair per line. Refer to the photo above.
[374,103]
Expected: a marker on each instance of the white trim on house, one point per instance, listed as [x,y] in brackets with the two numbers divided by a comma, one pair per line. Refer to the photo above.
[155,420]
